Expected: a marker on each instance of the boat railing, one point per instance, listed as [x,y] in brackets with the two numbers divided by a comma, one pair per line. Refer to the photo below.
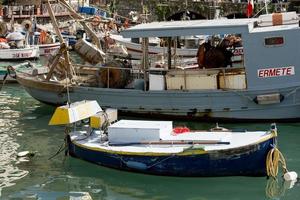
[220,76]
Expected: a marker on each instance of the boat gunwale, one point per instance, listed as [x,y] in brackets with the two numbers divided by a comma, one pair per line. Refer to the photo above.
[185,152]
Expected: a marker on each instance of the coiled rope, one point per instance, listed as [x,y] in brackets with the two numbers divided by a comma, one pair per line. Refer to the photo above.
[275,157]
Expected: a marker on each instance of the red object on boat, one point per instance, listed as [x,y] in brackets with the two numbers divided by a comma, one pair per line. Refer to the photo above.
[3,40]
[180,129]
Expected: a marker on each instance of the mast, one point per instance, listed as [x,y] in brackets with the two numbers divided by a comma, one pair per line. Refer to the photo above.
[63,47]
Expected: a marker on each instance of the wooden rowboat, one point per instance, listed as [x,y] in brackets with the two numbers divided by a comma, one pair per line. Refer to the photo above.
[155,147]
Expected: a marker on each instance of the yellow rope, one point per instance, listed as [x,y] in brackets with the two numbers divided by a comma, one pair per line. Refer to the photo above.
[274,189]
[272,162]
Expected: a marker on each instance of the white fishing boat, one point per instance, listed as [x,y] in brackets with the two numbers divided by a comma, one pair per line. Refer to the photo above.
[29,52]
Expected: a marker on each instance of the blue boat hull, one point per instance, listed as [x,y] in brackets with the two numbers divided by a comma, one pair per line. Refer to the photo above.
[246,161]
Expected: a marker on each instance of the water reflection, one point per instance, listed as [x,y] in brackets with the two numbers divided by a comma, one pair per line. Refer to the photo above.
[69,178]
[87,181]
[9,172]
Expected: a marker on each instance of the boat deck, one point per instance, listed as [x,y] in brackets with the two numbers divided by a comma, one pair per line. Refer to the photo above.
[235,139]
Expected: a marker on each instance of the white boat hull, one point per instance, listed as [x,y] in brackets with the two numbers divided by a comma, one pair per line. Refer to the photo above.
[47,49]
[135,50]
[19,54]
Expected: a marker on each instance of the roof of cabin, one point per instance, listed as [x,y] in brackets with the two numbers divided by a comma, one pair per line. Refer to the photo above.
[200,27]
[182,28]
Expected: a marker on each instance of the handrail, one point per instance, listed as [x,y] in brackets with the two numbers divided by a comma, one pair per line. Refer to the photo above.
[265,7]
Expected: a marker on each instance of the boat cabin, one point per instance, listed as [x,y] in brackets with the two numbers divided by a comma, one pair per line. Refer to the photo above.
[260,57]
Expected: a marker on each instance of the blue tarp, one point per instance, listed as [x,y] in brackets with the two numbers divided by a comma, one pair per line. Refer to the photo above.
[87,10]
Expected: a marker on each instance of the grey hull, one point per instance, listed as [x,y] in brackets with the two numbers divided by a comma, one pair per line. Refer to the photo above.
[197,104]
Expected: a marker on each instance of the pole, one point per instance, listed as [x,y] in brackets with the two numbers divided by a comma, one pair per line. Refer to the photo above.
[63,47]
[145,61]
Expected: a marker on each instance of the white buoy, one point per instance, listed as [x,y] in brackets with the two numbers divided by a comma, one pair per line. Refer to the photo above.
[290,176]
[25,153]
[289,184]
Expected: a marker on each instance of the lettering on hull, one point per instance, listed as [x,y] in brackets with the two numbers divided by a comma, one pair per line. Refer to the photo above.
[22,55]
[276,72]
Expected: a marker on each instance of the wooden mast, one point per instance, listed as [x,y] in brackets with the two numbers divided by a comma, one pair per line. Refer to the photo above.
[94,37]
[63,47]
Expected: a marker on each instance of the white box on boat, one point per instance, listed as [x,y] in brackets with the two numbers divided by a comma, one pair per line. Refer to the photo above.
[157,79]
[191,80]
[278,19]
[127,131]
[232,81]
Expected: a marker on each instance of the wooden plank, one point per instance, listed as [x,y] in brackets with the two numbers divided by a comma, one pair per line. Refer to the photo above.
[25,2]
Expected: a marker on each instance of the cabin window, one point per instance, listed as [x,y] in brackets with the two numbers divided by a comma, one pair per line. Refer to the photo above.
[274,41]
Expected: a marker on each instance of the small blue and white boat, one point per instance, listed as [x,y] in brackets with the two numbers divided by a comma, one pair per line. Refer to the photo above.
[155,147]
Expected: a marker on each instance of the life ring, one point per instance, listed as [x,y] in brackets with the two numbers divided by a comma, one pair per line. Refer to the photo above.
[96,21]
[180,129]
[27,25]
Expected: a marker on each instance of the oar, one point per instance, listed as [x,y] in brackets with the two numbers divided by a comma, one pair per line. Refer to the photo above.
[167,143]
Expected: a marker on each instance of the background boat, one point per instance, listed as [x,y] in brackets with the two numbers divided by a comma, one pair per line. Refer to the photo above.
[20,53]
[47,49]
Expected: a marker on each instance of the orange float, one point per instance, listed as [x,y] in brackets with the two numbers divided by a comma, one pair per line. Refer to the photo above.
[180,129]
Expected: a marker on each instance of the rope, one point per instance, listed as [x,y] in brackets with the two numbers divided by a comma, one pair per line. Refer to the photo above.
[105,124]
[275,157]
[274,189]
[63,146]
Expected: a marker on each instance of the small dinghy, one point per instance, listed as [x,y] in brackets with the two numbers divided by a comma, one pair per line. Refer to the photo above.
[156,147]
[8,73]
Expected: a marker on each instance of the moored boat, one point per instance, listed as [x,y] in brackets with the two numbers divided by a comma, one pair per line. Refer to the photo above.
[47,49]
[261,85]
[155,147]
[8,72]
[20,53]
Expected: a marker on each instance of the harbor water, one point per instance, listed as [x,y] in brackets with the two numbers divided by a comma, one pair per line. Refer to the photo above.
[24,127]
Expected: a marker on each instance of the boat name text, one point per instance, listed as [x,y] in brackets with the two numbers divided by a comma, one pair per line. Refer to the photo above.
[21,55]
[275,72]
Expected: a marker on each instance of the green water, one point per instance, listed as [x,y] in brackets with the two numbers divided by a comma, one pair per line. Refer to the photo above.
[24,126]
